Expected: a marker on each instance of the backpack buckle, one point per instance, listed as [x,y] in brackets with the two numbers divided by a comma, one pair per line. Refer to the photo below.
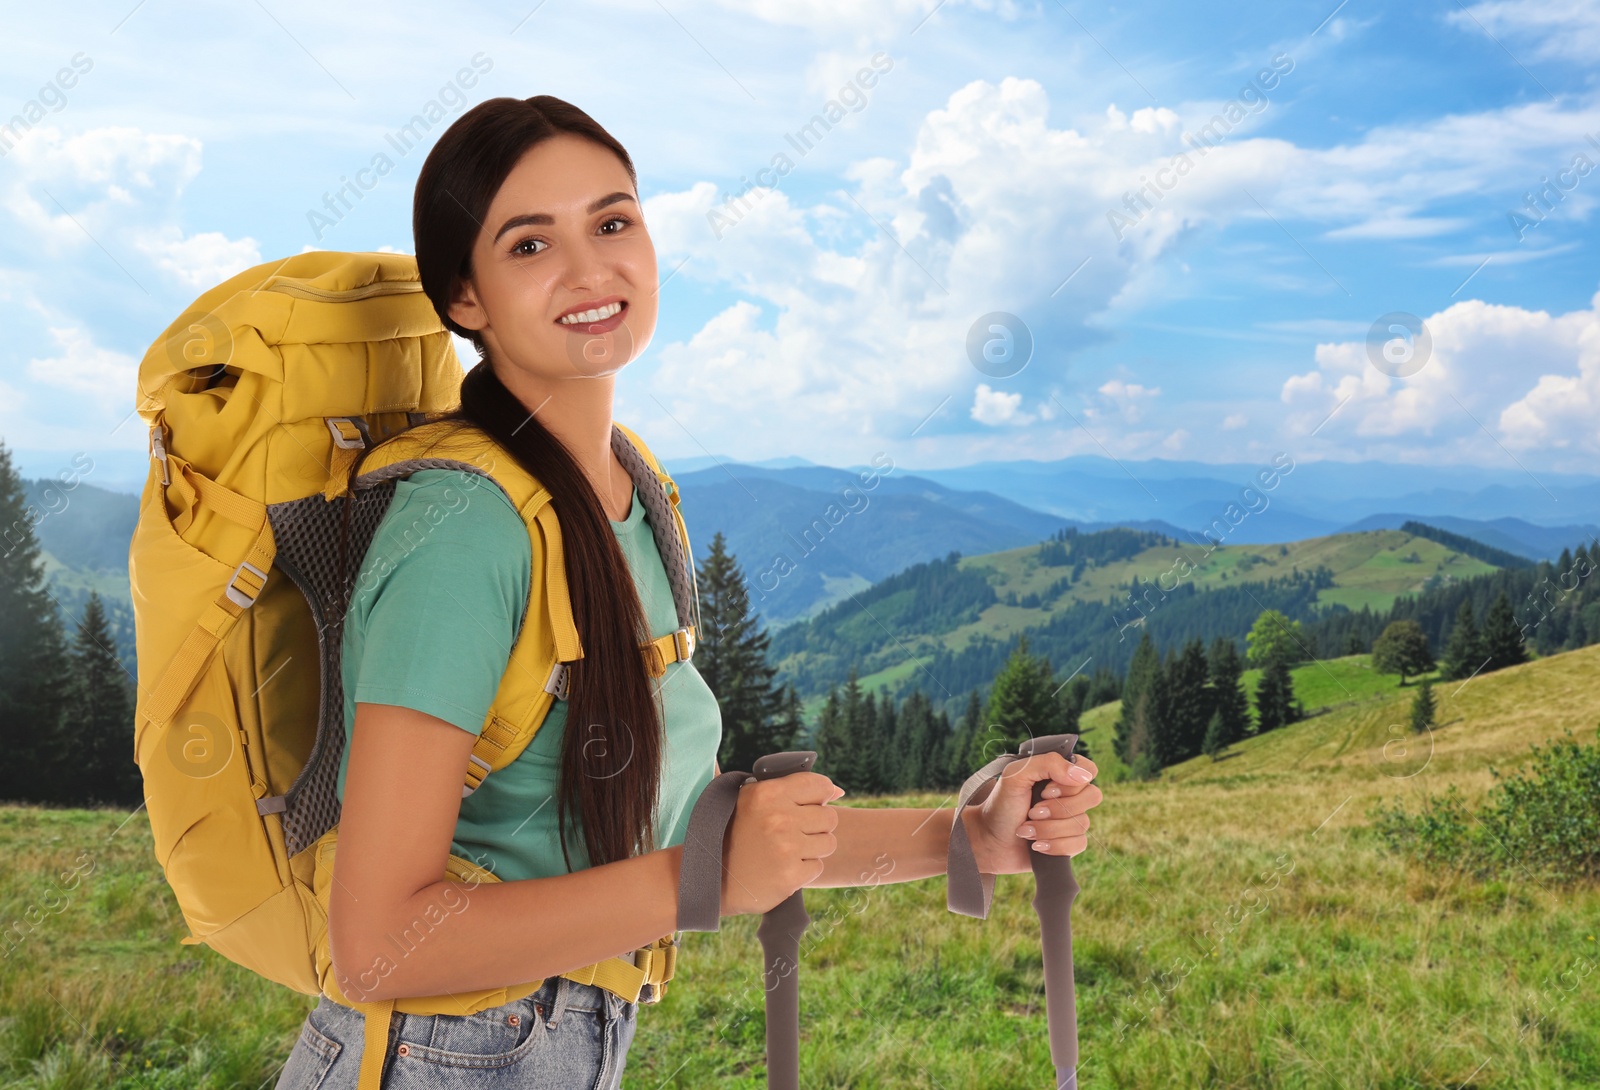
[246,598]
[683,638]
[352,435]
[559,681]
[158,449]
[473,758]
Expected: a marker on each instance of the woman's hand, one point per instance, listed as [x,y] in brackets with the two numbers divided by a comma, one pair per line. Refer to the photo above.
[999,827]
[781,831]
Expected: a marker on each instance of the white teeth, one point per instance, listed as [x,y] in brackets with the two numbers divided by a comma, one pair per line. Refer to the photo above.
[598,315]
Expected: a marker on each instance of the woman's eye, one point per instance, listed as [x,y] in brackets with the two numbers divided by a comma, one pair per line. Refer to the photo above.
[520,249]
[624,220]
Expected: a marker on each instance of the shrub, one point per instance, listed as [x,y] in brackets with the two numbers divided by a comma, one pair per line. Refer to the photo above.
[1544,820]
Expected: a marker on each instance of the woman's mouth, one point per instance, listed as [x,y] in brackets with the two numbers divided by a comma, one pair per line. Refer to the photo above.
[595,320]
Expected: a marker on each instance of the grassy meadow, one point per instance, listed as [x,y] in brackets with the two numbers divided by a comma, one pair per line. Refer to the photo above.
[1239,926]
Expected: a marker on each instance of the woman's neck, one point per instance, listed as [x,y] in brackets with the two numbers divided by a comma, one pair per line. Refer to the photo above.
[578,412]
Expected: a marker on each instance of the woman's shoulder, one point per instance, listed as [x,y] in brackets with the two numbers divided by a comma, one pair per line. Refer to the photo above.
[438,516]
[455,504]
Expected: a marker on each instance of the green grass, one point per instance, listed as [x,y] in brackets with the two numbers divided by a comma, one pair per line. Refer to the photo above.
[1238,926]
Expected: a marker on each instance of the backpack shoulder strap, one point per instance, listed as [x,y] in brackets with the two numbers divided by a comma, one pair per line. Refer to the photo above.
[677,553]
[548,641]
[548,637]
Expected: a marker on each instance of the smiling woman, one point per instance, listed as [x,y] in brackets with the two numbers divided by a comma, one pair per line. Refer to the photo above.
[531,242]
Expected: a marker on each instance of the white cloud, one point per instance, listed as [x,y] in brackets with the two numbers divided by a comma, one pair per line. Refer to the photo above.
[993,208]
[1555,28]
[1400,226]
[1531,379]
[1234,421]
[74,189]
[995,407]
[199,261]
[85,369]
[1129,399]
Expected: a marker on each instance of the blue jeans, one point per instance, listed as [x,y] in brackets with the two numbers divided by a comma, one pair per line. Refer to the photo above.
[565,1035]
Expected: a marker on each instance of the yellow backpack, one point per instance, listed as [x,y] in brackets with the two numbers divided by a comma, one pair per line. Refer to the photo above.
[259,398]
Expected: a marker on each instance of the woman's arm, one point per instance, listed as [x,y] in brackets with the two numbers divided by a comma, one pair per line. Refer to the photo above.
[894,844]
[396,929]
[901,844]
[885,845]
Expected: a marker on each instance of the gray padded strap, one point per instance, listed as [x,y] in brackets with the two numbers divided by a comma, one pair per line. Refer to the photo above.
[680,570]
[968,891]
[700,876]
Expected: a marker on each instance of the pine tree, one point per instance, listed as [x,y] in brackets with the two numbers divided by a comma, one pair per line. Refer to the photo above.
[916,743]
[1071,712]
[833,742]
[1275,703]
[1023,702]
[100,719]
[1191,700]
[792,723]
[1422,707]
[34,662]
[1142,760]
[1142,671]
[859,766]
[1463,652]
[880,766]
[942,734]
[1164,711]
[1227,690]
[1502,639]
[963,751]
[732,657]
[1216,739]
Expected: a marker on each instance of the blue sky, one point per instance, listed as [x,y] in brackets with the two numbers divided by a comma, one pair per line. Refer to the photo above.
[1344,163]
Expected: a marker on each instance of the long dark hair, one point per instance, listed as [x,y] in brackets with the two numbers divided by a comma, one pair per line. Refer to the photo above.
[611,756]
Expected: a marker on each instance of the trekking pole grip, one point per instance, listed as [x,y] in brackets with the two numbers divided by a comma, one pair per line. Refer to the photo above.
[700,907]
[1055,889]
[780,933]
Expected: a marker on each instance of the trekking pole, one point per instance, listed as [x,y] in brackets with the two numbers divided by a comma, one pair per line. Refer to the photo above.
[1055,889]
[700,908]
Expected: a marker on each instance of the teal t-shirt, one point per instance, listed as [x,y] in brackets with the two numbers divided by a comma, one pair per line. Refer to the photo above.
[431,623]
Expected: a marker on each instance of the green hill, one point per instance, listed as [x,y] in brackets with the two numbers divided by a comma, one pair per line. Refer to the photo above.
[891,634]
[1369,568]
[1237,925]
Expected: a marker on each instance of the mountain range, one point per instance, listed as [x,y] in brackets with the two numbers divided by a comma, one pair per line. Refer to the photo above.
[808,535]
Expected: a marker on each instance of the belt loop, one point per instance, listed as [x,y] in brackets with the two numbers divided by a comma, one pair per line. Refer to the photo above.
[560,1002]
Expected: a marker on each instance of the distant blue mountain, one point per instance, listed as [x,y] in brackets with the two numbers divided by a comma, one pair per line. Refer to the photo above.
[1511,534]
[1310,500]
[809,535]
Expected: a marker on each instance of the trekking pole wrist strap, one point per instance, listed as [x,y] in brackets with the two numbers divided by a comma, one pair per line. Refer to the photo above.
[969,891]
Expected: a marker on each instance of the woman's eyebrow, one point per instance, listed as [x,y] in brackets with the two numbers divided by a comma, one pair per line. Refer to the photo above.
[544,218]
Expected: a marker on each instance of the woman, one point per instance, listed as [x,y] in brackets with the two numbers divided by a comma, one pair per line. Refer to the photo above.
[530,240]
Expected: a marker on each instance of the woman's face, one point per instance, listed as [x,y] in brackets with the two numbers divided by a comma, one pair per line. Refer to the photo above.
[564,235]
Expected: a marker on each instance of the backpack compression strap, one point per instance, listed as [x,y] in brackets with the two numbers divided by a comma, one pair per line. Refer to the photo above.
[971,893]
[700,908]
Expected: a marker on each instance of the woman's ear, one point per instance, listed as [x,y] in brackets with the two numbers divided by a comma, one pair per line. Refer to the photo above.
[465,309]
